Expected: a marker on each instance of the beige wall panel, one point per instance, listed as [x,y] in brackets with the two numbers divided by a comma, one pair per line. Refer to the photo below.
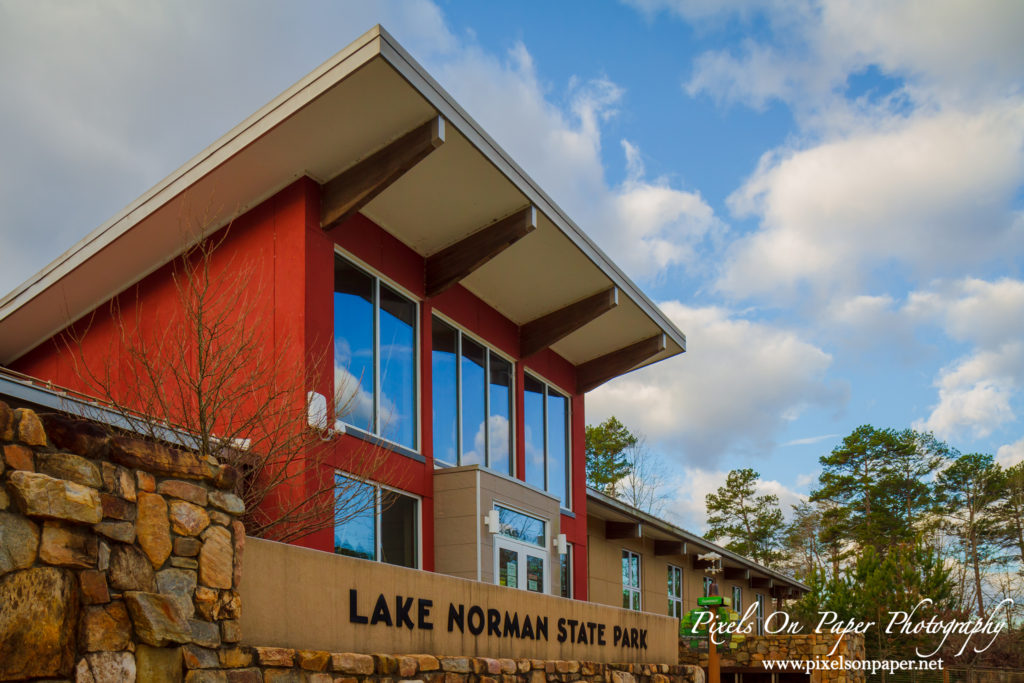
[300,598]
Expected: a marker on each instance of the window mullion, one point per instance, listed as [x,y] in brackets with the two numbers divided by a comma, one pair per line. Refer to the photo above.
[376,356]
[458,397]
[487,407]
[546,449]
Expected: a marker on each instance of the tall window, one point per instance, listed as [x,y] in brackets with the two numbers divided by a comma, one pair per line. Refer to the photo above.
[472,397]
[675,592]
[372,522]
[708,582]
[565,572]
[374,355]
[546,420]
[760,614]
[737,599]
[630,580]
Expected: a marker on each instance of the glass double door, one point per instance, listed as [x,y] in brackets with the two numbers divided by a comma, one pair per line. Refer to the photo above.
[519,565]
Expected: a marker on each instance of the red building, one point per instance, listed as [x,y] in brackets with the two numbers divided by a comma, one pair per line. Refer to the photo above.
[463,314]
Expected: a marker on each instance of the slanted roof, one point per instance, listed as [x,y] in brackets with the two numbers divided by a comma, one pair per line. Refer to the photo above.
[605,507]
[357,102]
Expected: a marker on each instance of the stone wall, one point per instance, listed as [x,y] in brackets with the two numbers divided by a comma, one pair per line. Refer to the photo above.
[120,561]
[750,652]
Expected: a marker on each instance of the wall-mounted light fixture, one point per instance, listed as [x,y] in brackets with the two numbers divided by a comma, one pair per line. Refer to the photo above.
[561,543]
[492,521]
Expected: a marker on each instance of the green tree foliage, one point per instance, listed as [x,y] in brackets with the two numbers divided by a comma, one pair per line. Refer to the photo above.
[875,481]
[752,525]
[875,585]
[606,445]
[1009,511]
[966,490]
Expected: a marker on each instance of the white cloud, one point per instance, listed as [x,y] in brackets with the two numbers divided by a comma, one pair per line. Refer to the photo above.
[955,51]
[1010,454]
[932,193]
[737,385]
[976,391]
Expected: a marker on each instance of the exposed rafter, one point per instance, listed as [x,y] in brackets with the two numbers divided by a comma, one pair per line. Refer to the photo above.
[355,187]
[736,574]
[548,329]
[596,372]
[669,547]
[614,530]
[761,582]
[459,260]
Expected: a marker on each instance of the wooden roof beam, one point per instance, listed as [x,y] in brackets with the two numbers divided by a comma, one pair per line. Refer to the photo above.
[761,582]
[736,574]
[596,372]
[614,530]
[669,547]
[548,329]
[459,260]
[357,186]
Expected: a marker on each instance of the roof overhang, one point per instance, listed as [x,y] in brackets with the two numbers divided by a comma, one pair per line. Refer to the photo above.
[357,102]
[601,506]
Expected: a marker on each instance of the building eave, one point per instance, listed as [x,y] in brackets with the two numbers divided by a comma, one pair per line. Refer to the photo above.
[599,499]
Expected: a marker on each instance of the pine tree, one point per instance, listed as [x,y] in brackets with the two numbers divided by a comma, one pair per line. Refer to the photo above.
[875,480]
[605,447]
[966,490]
[1009,511]
[751,524]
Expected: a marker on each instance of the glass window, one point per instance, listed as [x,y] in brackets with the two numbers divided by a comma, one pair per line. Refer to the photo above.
[760,614]
[374,355]
[521,527]
[472,399]
[737,599]
[675,592]
[565,572]
[375,523]
[546,421]
[708,583]
[630,580]
[508,567]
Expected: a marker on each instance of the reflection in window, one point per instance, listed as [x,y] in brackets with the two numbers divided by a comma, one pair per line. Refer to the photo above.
[737,599]
[375,523]
[520,527]
[675,592]
[708,582]
[472,400]
[534,574]
[630,580]
[546,421]
[374,355]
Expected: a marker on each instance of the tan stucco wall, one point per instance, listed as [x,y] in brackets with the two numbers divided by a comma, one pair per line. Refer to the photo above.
[459,515]
[314,611]
[605,565]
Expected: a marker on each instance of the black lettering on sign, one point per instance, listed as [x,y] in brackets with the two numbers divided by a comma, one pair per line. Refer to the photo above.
[528,628]
[402,609]
[353,608]
[456,618]
[562,635]
[512,625]
[600,635]
[476,612]
[381,611]
[616,635]
[643,638]
[541,627]
[633,635]
[423,614]
[493,622]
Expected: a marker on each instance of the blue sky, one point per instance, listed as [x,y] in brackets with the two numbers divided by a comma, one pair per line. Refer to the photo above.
[825,195]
